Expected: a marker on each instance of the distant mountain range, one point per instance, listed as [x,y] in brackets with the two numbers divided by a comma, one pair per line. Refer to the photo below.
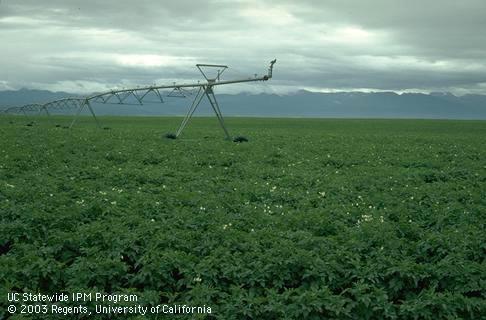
[300,104]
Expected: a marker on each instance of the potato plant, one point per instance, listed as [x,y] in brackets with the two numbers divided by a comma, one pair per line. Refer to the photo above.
[309,219]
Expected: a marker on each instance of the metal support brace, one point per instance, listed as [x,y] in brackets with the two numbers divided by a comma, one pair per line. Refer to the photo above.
[214,104]
[48,114]
[137,97]
[208,92]
[159,95]
[27,115]
[81,107]
[145,93]
[190,112]
[92,112]
[118,97]
[85,103]
[109,96]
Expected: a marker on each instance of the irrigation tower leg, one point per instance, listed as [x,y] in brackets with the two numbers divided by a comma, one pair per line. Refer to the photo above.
[81,107]
[48,114]
[27,116]
[92,112]
[214,103]
[190,112]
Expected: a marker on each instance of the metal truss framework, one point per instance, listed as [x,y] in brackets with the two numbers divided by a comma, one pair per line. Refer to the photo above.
[140,94]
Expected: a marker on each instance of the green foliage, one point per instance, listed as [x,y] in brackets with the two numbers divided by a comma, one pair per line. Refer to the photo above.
[314,219]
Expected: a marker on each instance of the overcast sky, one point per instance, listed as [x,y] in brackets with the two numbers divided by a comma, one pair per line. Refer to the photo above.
[82,46]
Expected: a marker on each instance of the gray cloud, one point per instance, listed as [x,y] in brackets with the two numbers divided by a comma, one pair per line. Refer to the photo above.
[90,45]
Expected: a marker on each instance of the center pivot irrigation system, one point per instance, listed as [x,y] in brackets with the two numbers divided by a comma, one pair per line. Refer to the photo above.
[211,72]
